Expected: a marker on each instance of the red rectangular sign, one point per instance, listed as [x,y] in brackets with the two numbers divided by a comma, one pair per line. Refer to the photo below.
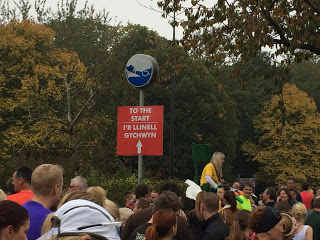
[140,130]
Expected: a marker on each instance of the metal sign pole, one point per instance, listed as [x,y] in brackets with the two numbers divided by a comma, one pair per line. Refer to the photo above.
[140,157]
[141,71]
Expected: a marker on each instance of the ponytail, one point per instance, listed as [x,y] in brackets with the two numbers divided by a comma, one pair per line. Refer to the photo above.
[239,226]
[235,232]
[152,233]
[163,221]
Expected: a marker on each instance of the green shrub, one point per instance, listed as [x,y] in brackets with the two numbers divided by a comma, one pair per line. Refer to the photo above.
[116,187]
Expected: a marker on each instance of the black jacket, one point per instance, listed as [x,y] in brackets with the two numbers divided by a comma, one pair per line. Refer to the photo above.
[143,216]
[195,225]
[214,228]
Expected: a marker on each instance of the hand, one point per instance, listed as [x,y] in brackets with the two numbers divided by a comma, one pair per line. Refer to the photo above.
[221,180]
[182,214]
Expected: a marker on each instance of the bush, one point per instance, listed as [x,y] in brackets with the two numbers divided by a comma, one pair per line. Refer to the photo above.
[116,187]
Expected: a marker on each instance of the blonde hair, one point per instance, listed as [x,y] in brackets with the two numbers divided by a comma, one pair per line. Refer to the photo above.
[125,213]
[299,211]
[46,227]
[97,190]
[112,208]
[288,225]
[96,198]
[3,196]
[45,177]
[216,159]
[55,237]
[197,205]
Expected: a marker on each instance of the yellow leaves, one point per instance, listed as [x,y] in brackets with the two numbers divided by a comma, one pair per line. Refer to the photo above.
[289,142]
[34,76]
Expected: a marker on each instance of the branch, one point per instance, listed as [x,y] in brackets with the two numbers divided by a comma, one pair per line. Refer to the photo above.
[311,48]
[284,40]
[55,129]
[68,98]
[312,7]
[34,120]
[272,5]
[155,10]
[72,123]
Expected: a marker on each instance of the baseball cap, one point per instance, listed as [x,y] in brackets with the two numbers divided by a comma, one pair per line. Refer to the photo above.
[78,217]
[270,219]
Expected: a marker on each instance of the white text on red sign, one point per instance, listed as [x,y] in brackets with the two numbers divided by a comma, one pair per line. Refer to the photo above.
[140,123]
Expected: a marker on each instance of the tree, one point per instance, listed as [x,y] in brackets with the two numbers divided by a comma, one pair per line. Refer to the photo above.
[204,113]
[46,93]
[306,76]
[250,89]
[289,139]
[241,28]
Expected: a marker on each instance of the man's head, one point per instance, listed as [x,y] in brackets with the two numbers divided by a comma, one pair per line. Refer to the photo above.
[247,189]
[315,202]
[293,193]
[290,182]
[140,204]
[236,185]
[305,186]
[78,184]
[47,181]
[269,195]
[22,179]
[167,200]
[283,206]
[153,195]
[173,187]
[141,190]
[221,190]
[209,205]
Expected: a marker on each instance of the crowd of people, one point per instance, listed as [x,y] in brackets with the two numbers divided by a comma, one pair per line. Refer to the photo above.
[39,208]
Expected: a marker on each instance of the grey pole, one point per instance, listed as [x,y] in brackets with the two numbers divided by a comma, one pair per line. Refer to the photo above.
[172,101]
[140,158]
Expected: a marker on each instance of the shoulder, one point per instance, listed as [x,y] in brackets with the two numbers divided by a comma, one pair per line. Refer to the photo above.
[182,222]
[142,216]
[308,228]
[3,196]
[13,196]
[135,221]
[217,228]
[209,165]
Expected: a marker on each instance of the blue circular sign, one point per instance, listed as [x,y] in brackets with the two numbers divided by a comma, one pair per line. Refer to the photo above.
[141,69]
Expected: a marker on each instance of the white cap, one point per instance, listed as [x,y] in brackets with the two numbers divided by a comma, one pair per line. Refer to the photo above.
[83,216]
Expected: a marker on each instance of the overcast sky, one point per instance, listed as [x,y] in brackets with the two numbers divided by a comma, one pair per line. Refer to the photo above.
[133,11]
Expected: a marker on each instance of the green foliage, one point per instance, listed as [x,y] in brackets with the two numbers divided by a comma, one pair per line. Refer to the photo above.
[121,182]
[249,89]
[306,76]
